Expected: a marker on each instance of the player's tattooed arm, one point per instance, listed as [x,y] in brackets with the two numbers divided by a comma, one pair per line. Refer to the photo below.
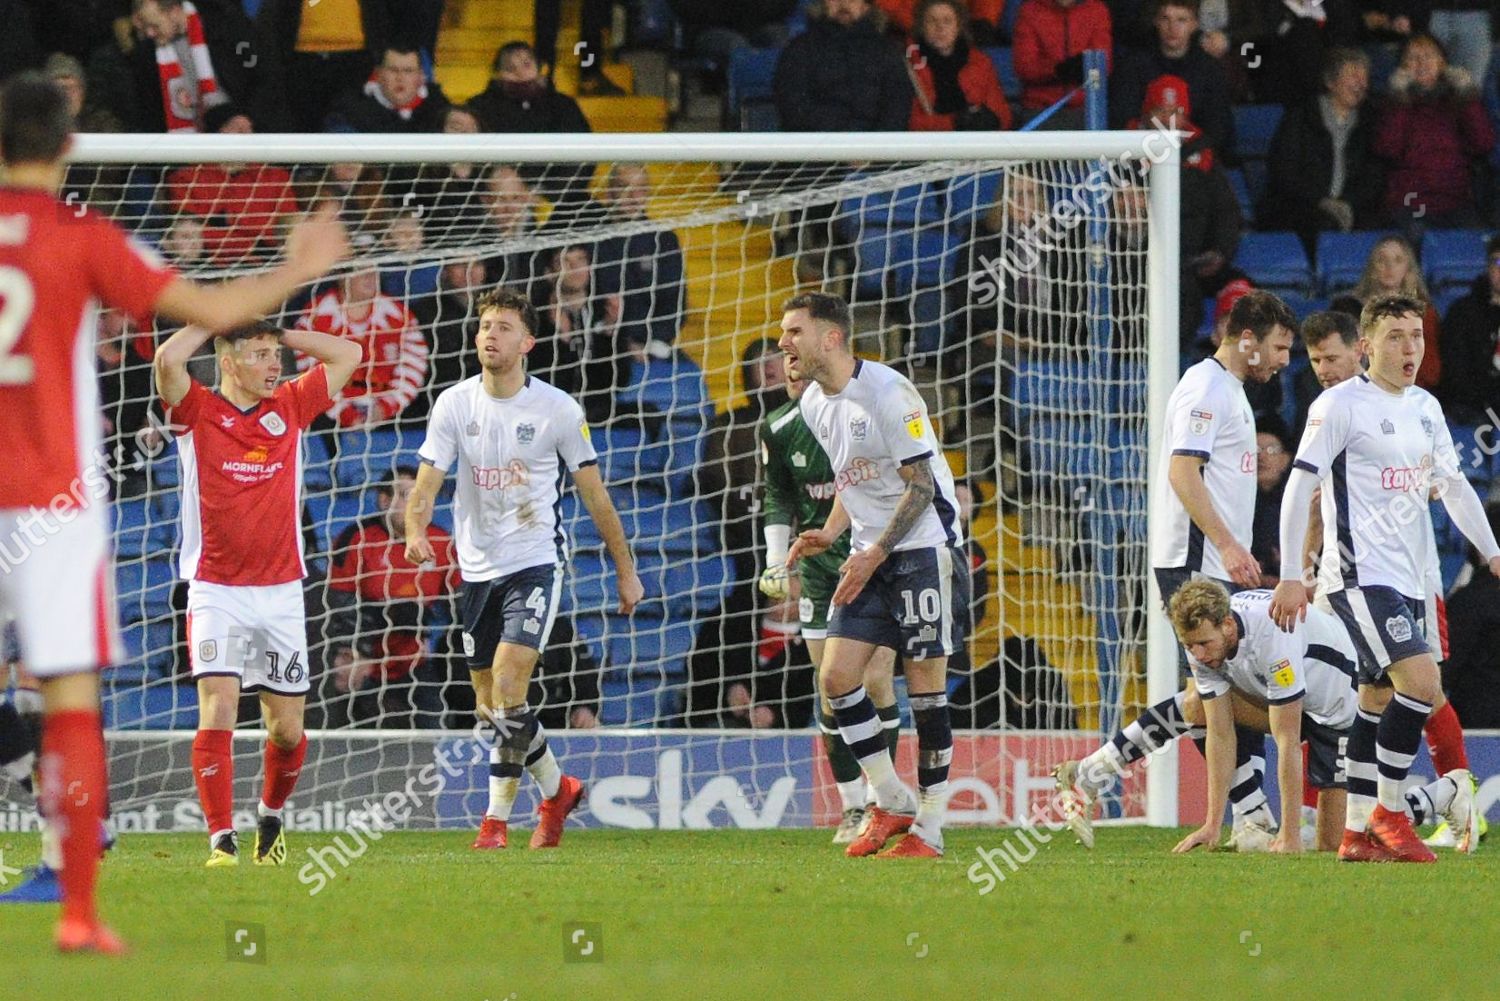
[920,490]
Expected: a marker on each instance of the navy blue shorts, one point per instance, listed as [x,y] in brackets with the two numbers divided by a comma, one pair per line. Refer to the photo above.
[911,605]
[1326,747]
[1386,626]
[517,608]
[1170,579]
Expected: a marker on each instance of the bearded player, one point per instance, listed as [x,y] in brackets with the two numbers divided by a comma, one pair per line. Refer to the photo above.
[58,264]
[240,448]
[512,436]
[799,493]
[906,576]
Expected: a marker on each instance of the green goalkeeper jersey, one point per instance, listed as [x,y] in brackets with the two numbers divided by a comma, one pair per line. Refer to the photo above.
[799,480]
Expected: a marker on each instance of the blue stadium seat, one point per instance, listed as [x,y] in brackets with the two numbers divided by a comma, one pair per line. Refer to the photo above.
[1039,388]
[1005,68]
[1302,305]
[751,79]
[1275,261]
[1254,175]
[1443,299]
[1476,461]
[1241,189]
[1254,125]
[673,386]
[1452,257]
[317,463]
[973,195]
[1341,258]
[133,527]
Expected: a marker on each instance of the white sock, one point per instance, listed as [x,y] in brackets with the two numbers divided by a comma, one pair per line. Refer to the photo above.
[547,772]
[852,794]
[890,792]
[1427,804]
[1105,762]
[214,835]
[502,790]
[262,810]
[929,823]
[51,848]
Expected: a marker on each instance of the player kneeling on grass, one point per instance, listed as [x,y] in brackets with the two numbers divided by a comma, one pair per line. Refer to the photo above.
[800,490]
[241,455]
[512,435]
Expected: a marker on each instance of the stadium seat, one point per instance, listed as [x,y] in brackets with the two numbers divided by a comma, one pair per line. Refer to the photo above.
[674,386]
[751,79]
[1341,259]
[1452,258]
[1253,173]
[1254,125]
[133,527]
[1474,458]
[317,463]
[972,195]
[1275,261]
[1444,299]
[1241,190]
[900,208]
[1302,305]
[1005,69]
[1039,388]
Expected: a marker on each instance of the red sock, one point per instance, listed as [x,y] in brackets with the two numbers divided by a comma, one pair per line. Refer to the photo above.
[213,771]
[1445,740]
[75,785]
[282,770]
[1309,794]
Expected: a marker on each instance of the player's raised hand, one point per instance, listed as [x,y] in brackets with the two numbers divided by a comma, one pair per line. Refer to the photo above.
[631,591]
[1289,604]
[419,550]
[1205,835]
[317,242]
[1243,568]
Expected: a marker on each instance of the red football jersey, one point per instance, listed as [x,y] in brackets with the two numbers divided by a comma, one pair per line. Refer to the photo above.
[56,268]
[242,482]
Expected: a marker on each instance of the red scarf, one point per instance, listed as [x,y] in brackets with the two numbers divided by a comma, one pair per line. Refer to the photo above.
[372,88]
[182,104]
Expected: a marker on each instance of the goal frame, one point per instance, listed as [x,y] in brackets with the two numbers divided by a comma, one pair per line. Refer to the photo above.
[1162,160]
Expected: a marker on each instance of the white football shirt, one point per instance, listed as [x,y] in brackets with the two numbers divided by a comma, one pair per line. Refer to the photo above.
[1315,662]
[1207,417]
[871,429]
[1374,453]
[511,453]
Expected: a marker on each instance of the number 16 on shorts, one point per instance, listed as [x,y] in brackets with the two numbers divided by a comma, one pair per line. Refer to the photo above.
[256,634]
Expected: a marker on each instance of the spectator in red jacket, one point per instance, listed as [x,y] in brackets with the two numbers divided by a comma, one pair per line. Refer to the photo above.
[985,19]
[1430,132]
[240,206]
[394,367]
[1051,37]
[378,603]
[956,86]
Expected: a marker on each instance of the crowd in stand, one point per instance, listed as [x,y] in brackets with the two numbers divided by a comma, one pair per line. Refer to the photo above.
[1385,127]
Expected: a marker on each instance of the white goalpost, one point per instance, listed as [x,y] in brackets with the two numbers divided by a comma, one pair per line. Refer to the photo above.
[1026,282]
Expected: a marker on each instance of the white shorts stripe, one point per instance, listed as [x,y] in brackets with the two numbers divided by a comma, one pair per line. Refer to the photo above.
[945,595]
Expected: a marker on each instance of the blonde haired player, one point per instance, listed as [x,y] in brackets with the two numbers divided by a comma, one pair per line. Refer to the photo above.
[240,448]
[58,264]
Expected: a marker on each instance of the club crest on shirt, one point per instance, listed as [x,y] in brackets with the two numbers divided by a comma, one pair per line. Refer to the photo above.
[273,423]
[472,429]
[1387,427]
[859,427]
[822,430]
[208,650]
[525,433]
[1426,425]
[1398,629]
[799,460]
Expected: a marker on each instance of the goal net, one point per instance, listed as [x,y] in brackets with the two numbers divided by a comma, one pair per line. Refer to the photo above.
[1008,276]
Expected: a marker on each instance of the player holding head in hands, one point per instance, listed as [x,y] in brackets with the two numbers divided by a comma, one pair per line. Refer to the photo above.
[57,266]
[1379,446]
[512,434]
[800,491]
[240,448]
[907,578]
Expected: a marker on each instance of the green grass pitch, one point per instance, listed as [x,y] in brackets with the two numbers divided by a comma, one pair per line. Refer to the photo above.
[767,915]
